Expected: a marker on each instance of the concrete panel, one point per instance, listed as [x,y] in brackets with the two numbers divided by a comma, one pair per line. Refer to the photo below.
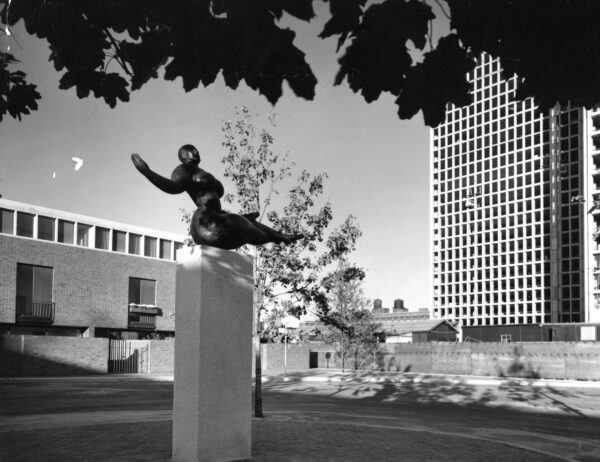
[212,390]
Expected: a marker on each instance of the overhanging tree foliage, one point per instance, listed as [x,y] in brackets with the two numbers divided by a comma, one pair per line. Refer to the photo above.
[109,49]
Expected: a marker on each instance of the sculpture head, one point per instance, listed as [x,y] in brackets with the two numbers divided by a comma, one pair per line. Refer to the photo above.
[188,154]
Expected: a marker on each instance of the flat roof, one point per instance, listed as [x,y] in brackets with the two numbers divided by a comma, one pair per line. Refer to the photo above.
[70,216]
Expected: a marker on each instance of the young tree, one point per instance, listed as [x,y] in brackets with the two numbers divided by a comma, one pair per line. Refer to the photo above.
[349,324]
[285,276]
[120,46]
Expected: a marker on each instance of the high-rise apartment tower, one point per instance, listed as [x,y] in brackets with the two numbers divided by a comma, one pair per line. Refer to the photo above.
[514,222]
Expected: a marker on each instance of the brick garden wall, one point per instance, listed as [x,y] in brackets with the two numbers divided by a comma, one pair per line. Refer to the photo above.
[39,356]
[273,357]
[553,360]
[162,356]
[91,287]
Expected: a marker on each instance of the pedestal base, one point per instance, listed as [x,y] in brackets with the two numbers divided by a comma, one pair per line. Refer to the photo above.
[213,349]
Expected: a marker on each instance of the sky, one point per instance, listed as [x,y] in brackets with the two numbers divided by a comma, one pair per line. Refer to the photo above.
[377,164]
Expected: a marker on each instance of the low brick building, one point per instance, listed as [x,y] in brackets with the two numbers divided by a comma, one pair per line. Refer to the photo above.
[421,331]
[72,275]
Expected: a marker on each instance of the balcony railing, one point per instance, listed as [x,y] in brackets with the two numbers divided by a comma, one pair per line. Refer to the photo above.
[138,321]
[34,311]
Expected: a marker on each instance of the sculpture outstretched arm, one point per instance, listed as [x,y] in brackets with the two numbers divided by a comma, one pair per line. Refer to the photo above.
[162,183]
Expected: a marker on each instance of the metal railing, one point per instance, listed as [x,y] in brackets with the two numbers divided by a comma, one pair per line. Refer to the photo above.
[34,311]
[141,321]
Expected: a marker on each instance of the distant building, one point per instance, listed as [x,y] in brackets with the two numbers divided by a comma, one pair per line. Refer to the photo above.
[420,331]
[389,318]
[515,209]
[72,275]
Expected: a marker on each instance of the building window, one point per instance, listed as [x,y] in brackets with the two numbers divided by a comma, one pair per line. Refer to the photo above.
[24,224]
[102,238]
[178,246]
[165,249]
[142,291]
[505,338]
[34,283]
[135,241]
[7,218]
[34,294]
[66,231]
[83,235]
[119,239]
[46,228]
[150,246]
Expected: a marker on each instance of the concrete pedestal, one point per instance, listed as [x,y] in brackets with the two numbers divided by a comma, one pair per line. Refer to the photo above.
[213,356]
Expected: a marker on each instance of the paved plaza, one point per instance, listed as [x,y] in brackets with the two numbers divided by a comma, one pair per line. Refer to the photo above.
[317,416]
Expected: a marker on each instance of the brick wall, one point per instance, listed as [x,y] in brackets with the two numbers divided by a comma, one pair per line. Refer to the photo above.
[91,287]
[554,360]
[38,356]
[322,351]
[162,356]
[274,357]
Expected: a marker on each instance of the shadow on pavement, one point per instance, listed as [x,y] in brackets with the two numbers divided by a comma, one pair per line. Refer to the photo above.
[429,389]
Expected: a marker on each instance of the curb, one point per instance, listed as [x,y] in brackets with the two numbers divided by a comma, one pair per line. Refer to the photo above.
[90,378]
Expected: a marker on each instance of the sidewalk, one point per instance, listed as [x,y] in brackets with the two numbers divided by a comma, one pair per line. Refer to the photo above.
[336,375]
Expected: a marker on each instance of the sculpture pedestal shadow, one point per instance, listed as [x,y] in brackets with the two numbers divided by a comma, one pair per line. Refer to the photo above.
[213,348]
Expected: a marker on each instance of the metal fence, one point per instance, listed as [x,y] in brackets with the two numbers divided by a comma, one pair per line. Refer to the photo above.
[128,356]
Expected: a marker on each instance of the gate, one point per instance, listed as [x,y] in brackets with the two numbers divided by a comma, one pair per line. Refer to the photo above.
[128,356]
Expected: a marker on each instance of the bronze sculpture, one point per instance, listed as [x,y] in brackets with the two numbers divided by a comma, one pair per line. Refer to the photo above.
[210,225]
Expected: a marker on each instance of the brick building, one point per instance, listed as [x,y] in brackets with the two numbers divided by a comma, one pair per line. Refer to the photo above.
[72,275]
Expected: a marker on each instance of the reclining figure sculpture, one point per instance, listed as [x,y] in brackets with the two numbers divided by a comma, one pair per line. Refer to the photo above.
[210,225]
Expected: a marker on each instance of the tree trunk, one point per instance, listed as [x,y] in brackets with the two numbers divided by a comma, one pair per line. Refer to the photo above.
[258,299]
[257,377]
[343,352]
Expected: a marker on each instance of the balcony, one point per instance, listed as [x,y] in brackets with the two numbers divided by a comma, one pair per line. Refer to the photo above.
[142,317]
[34,311]
[142,324]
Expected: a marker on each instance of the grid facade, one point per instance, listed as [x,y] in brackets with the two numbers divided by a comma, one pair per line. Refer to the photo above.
[507,186]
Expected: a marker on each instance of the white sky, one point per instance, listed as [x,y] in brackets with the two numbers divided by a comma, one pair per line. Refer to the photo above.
[378,165]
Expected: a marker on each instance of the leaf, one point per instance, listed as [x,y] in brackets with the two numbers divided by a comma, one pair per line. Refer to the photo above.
[145,57]
[17,97]
[439,79]
[301,9]
[113,87]
[345,18]
[377,60]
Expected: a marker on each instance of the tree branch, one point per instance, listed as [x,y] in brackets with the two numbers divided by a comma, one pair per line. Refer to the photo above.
[116,56]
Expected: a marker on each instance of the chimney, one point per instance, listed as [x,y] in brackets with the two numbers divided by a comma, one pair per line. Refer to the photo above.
[399,305]
[377,304]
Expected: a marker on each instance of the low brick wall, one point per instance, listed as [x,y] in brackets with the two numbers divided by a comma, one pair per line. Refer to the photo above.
[324,356]
[553,360]
[162,356]
[39,356]
[273,358]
